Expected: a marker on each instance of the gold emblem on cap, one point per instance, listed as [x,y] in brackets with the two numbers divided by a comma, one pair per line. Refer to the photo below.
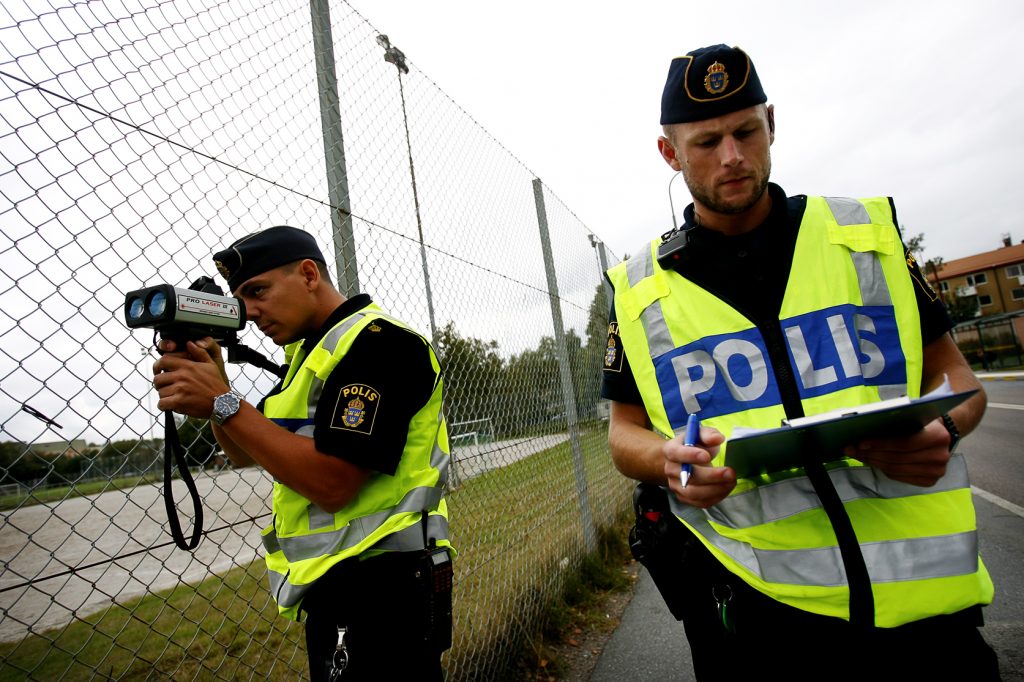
[717,79]
[222,270]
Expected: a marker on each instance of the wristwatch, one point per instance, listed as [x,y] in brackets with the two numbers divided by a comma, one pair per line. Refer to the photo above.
[225,406]
[954,433]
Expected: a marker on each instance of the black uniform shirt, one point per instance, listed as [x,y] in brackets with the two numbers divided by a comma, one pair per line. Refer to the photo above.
[749,272]
[370,397]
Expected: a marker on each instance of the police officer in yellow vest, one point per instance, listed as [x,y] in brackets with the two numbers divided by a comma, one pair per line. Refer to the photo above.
[762,307]
[355,439]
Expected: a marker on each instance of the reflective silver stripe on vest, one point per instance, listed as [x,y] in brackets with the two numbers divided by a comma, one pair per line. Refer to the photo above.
[781,500]
[406,540]
[285,594]
[874,291]
[333,337]
[330,344]
[315,545]
[411,539]
[278,587]
[318,518]
[439,460]
[890,561]
[640,266]
[270,542]
[316,389]
[870,278]
[652,317]
[848,211]
[656,329]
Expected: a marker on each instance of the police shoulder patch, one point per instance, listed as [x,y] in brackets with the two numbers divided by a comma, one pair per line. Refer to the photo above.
[356,409]
[613,349]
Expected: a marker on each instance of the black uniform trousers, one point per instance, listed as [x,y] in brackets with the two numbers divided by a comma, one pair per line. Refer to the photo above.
[380,602]
[760,636]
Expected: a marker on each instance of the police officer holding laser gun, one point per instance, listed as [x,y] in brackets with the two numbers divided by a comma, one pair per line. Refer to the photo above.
[356,442]
[763,307]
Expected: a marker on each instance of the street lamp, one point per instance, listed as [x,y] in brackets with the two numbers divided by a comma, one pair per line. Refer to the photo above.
[393,55]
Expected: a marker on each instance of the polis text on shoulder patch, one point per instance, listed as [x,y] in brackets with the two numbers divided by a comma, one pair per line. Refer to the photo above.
[356,408]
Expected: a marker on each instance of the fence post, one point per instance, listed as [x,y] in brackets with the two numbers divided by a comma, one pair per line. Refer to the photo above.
[602,258]
[334,150]
[981,346]
[568,394]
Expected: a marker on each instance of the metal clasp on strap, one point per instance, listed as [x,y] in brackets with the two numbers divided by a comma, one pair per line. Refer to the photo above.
[340,659]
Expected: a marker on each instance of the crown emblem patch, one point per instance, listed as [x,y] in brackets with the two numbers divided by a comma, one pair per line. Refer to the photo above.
[354,413]
[717,79]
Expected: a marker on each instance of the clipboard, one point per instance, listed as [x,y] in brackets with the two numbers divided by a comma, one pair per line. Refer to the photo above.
[824,436]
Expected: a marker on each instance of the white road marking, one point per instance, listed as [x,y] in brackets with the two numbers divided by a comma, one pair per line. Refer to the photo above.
[1007,406]
[998,501]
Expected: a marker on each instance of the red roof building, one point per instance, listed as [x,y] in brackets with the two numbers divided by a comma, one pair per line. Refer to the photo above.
[994,278]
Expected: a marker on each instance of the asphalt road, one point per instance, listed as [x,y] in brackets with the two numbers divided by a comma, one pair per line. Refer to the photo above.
[650,645]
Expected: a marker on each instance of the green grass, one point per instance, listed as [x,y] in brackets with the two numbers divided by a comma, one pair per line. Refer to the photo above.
[225,627]
[520,542]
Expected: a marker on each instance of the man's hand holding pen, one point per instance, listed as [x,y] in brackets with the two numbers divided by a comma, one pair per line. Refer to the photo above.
[706,485]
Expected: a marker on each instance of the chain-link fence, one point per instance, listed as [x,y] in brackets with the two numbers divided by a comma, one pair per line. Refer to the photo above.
[137,138]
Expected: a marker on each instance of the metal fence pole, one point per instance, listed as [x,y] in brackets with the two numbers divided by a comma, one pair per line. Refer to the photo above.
[602,258]
[334,150]
[589,535]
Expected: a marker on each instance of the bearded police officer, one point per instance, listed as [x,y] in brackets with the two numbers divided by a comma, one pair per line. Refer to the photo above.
[763,307]
[356,442]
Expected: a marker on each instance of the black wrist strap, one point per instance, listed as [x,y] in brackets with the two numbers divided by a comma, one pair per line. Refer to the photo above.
[173,452]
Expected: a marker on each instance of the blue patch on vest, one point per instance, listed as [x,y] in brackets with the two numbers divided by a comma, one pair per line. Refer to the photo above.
[716,375]
[845,346]
[292,425]
[829,350]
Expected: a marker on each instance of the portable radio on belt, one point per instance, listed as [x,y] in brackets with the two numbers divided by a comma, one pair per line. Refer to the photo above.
[434,569]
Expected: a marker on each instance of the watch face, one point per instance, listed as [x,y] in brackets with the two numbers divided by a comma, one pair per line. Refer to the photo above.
[224,406]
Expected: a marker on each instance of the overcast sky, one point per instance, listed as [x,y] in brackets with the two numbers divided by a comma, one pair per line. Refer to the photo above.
[923,101]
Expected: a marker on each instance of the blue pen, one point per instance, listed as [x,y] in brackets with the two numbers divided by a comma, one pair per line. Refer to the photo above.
[692,438]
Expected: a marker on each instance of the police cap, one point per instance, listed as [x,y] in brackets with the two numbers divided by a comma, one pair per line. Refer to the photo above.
[265,250]
[710,82]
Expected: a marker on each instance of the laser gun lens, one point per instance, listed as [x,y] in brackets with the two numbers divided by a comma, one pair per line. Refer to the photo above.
[157,304]
[136,309]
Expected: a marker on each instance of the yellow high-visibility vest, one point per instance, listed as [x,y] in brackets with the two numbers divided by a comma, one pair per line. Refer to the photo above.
[851,325]
[305,541]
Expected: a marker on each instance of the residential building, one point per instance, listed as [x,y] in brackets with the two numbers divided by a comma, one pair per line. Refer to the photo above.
[994,279]
[985,296]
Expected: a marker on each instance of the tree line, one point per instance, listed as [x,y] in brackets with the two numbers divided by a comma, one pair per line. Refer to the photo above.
[522,392]
[21,464]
